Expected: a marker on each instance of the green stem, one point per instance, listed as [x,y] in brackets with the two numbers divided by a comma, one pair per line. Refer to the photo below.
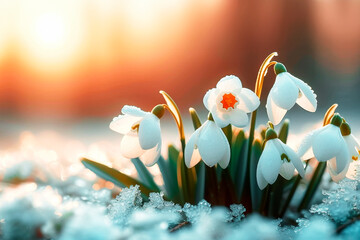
[292,192]
[264,200]
[314,184]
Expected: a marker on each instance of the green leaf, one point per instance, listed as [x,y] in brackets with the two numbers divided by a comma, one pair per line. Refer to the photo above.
[114,176]
[237,144]
[195,118]
[144,175]
[200,184]
[186,181]
[240,174]
[284,131]
[170,182]
[228,133]
[173,155]
[256,193]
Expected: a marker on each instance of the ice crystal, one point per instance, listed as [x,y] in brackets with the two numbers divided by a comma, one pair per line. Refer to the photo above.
[341,203]
[318,227]
[255,227]
[157,202]
[121,208]
[23,211]
[236,213]
[194,212]
[89,222]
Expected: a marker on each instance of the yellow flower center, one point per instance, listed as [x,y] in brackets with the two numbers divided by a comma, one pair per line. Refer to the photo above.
[228,101]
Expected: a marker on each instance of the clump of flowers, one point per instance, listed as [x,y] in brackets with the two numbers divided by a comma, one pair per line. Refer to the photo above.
[222,164]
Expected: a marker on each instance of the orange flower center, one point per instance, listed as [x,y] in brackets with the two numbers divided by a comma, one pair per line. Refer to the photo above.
[228,101]
[354,158]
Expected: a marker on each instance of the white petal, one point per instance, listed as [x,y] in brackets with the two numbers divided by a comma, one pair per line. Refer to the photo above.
[133,111]
[294,159]
[224,162]
[260,179]
[307,100]
[151,156]
[248,101]
[336,177]
[229,83]
[238,118]
[342,158]
[123,123]
[270,162]
[130,146]
[327,143]
[274,112]
[219,119]
[149,131]
[211,144]
[306,143]
[353,146]
[192,155]
[287,170]
[284,93]
[210,99]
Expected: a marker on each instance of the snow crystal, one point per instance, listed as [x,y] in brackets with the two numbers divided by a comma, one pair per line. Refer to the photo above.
[89,222]
[340,204]
[194,212]
[236,213]
[125,203]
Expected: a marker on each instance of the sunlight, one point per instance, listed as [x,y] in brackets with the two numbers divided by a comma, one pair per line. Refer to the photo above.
[50,34]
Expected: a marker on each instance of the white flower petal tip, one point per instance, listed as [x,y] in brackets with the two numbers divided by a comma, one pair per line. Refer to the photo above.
[208,143]
[277,158]
[142,134]
[229,103]
[286,91]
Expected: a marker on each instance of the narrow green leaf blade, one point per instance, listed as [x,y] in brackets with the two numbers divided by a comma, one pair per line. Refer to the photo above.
[144,175]
[256,193]
[114,176]
[284,131]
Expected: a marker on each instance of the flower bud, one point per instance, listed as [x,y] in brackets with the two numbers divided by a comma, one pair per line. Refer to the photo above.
[336,120]
[279,68]
[345,129]
[270,134]
[158,111]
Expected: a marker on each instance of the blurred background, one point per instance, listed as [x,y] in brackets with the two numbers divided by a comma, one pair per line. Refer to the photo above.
[72,65]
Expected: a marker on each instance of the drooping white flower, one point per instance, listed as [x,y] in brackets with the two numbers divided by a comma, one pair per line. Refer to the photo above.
[208,143]
[326,144]
[277,158]
[286,91]
[142,134]
[353,147]
[229,102]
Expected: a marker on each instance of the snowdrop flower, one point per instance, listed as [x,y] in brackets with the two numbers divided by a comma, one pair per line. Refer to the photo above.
[326,144]
[208,143]
[287,91]
[229,102]
[353,148]
[277,158]
[142,135]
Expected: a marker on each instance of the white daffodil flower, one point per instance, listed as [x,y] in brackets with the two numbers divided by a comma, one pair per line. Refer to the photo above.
[326,144]
[277,158]
[353,148]
[229,102]
[286,91]
[142,134]
[208,143]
